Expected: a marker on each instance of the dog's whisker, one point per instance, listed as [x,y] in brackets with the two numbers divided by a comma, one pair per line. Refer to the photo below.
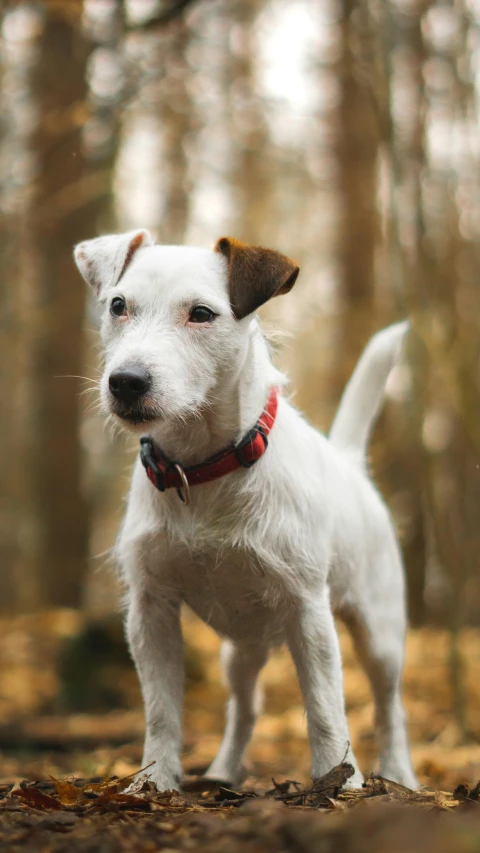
[93,409]
[91,389]
[84,378]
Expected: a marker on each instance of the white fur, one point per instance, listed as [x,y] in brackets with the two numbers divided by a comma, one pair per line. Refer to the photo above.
[265,555]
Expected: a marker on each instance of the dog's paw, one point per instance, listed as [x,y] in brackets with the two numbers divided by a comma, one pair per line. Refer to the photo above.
[403,776]
[154,776]
[231,778]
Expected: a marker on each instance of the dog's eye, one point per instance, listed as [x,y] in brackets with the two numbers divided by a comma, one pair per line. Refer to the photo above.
[118,306]
[201,314]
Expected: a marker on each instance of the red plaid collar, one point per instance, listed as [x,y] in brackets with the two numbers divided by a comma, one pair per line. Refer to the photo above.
[164,473]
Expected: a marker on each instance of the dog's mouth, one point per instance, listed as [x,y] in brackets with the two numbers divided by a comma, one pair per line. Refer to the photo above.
[134,415]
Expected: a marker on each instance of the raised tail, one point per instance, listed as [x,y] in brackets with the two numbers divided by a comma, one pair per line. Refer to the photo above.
[363,396]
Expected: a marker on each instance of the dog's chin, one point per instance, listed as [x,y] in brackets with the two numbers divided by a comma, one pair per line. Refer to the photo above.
[137,421]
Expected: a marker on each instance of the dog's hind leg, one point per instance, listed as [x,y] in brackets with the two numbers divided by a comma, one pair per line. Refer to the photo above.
[242,665]
[378,632]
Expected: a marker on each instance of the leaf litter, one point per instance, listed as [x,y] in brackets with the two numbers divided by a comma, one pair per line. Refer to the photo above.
[57,815]
[44,809]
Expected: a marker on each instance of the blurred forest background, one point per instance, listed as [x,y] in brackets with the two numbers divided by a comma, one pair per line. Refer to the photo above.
[342,132]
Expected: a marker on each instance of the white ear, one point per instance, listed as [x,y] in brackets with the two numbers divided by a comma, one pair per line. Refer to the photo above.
[103,261]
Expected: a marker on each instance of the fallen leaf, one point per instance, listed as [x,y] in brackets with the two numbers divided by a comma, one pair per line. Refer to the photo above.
[333,781]
[121,800]
[69,795]
[36,799]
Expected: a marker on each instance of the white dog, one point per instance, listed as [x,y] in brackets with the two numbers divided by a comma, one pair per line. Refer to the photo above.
[265,553]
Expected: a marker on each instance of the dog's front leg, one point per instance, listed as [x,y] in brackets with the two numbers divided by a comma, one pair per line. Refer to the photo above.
[155,638]
[314,645]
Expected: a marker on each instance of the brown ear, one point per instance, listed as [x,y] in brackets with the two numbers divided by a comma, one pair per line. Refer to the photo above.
[255,274]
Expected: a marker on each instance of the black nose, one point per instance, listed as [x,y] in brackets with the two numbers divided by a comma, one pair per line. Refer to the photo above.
[128,384]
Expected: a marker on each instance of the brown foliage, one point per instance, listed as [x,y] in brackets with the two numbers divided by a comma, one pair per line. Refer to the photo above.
[289,817]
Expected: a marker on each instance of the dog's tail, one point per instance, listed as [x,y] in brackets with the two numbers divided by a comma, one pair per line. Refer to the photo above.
[363,396]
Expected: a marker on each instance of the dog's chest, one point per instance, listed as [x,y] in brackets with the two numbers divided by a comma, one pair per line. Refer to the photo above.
[233,594]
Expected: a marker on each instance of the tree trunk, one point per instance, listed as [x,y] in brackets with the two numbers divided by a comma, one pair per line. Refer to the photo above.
[57,219]
[358,232]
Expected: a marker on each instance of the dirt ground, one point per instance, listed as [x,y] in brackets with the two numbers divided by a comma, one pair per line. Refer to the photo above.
[44,672]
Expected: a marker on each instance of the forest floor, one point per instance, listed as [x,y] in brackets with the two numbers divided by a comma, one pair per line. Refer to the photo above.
[70,737]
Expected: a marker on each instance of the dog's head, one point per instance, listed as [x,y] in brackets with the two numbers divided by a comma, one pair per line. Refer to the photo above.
[175,319]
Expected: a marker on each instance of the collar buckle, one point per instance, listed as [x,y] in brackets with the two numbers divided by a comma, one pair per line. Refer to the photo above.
[149,462]
[249,438]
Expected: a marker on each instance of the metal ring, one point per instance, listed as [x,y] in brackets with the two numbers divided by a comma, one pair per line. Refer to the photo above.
[185,497]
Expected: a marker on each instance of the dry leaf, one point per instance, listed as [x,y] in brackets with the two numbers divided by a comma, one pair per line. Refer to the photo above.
[68,794]
[36,799]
